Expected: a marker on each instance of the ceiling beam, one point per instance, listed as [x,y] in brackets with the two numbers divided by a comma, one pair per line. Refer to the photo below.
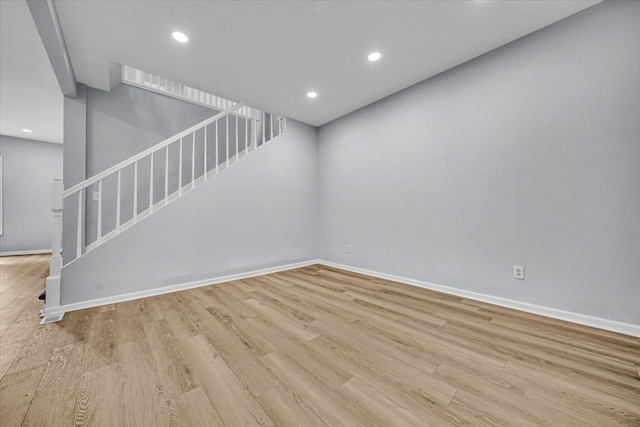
[46,20]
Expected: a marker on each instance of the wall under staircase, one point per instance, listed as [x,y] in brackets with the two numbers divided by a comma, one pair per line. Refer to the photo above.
[115,126]
[256,214]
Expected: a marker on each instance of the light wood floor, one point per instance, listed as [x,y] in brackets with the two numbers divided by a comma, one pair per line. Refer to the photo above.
[310,347]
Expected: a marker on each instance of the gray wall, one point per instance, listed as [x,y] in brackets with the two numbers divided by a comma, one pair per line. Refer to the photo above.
[75,160]
[29,168]
[122,123]
[105,128]
[258,213]
[529,155]
[128,120]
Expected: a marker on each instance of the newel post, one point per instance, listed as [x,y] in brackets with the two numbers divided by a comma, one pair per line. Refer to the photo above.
[55,265]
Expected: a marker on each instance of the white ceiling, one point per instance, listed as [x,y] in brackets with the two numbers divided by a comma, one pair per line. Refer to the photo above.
[30,97]
[270,53]
[265,53]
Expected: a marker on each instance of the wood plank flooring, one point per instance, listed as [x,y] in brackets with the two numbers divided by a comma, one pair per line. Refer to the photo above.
[309,347]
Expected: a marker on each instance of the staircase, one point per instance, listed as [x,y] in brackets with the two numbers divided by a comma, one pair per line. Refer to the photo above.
[136,188]
[154,83]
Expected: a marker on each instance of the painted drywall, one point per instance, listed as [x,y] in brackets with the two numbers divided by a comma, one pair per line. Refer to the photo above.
[257,213]
[75,169]
[128,120]
[122,123]
[29,168]
[105,128]
[528,155]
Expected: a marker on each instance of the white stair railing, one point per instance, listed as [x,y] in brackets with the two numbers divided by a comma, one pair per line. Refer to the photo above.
[133,189]
[152,82]
[199,153]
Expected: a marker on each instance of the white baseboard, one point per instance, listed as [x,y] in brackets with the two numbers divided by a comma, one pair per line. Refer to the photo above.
[581,319]
[30,252]
[51,311]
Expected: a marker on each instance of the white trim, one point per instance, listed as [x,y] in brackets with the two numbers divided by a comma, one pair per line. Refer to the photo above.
[162,203]
[149,151]
[554,313]
[151,82]
[52,318]
[29,252]
[580,319]
[172,288]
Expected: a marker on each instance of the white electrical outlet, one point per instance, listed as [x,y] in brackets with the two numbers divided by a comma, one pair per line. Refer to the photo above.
[348,249]
[518,272]
[96,196]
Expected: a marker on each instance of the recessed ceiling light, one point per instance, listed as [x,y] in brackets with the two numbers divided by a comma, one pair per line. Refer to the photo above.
[181,37]
[27,130]
[374,56]
[312,94]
